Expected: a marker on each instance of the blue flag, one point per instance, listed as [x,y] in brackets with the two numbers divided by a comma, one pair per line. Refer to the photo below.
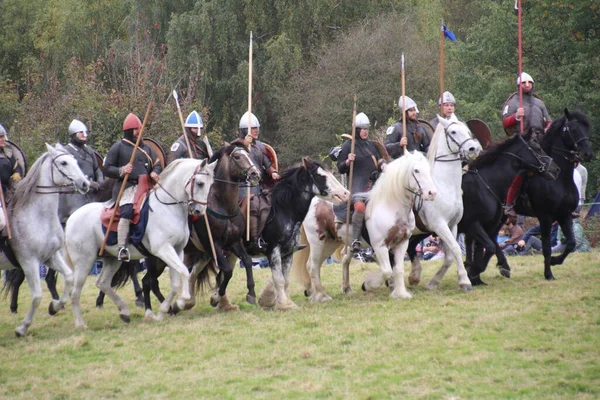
[448,34]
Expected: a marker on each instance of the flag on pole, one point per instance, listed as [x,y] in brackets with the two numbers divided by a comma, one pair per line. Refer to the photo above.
[448,34]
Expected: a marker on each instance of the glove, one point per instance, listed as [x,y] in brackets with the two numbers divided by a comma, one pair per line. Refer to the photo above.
[94,185]
[16,177]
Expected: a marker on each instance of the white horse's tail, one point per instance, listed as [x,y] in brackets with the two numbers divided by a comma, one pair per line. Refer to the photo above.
[338,254]
[299,270]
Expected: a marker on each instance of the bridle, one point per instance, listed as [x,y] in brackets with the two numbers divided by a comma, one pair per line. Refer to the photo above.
[459,145]
[418,199]
[243,171]
[190,182]
[322,191]
[543,161]
[571,155]
[68,188]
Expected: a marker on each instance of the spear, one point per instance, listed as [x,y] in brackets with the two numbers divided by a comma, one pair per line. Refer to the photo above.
[187,142]
[125,177]
[351,172]
[442,43]
[249,130]
[403,103]
[520,44]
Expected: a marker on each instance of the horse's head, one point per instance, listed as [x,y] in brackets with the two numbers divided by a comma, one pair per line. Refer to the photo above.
[65,170]
[532,157]
[459,138]
[574,135]
[419,180]
[198,187]
[241,166]
[324,184]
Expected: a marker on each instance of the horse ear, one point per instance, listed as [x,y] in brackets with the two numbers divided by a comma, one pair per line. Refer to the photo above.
[60,147]
[212,166]
[50,149]
[567,113]
[306,162]
[203,163]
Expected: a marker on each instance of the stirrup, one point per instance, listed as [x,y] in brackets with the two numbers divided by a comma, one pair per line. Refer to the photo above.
[123,254]
[356,246]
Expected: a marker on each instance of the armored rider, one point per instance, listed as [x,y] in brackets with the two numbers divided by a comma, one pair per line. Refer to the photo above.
[10,170]
[143,172]
[84,154]
[193,130]
[448,105]
[534,115]
[416,138]
[367,162]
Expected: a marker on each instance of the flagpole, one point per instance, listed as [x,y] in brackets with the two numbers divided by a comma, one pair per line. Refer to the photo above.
[442,57]
[520,43]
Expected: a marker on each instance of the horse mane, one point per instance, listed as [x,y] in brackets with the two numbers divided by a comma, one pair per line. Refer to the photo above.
[227,148]
[490,154]
[26,187]
[432,152]
[293,178]
[172,165]
[393,180]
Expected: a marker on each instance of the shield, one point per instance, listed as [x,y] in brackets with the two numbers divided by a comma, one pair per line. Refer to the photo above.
[481,131]
[273,157]
[428,128]
[19,155]
[100,160]
[158,150]
[382,150]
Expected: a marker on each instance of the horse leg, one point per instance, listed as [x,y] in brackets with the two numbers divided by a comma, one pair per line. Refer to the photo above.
[480,260]
[139,297]
[502,263]
[278,284]
[375,279]
[51,283]
[173,259]
[16,277]
[318,254]
[104,283]
[545,228]
[399,291]
[415,263]
[219,298]
[57,263]
[154,268]
[82,270]
[451,252]
[31,271]
[197,265]
[100,299]
[240,251]
[566,225]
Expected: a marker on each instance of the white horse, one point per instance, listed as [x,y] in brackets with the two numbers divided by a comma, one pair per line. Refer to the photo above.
[451,144]
[183,189]
[389,221]
[37,235]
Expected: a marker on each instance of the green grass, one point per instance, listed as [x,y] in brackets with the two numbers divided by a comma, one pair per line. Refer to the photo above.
[516,338]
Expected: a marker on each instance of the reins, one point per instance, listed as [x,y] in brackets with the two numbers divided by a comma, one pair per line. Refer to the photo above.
[61,189]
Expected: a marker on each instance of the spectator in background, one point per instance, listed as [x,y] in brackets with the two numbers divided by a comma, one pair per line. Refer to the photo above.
[514,231]
[581,243]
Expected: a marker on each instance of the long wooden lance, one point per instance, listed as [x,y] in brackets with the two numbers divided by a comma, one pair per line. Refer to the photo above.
[187,142]
[442,66]
[125,177]
[403,103]
[5,211]
[249,132]
[351,166]
[520,46]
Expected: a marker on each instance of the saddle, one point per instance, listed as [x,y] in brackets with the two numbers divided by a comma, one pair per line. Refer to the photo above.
[144,185]
[260,208]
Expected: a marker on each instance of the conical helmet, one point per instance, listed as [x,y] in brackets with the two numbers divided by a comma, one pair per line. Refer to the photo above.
[244,121]
[194,120]
[77,126]
[362,121]
[131,122]
[410,103]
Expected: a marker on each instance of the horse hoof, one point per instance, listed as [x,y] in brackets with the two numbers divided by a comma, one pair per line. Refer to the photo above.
[139,302]
[214,301]
[466,288]
[413,281]
[13,311]
[99,305]
[149,316]
[347,290]
[363,287]
[478,282]
[505,272]
[550,278]
[54,307]
[174,310]
[306,294]
[51,309]
[21,331]
[251,299]
[125,318]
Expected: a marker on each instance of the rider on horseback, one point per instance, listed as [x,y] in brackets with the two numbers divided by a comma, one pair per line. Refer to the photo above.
[116,165]
[10,170]
[416,138]
[535,116]
[193,130]
[448,104]
[84,154]
[367,162]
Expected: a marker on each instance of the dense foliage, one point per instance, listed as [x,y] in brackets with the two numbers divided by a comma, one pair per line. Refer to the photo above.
[99,60]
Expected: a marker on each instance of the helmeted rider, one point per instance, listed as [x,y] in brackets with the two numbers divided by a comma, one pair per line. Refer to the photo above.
[193,129]
[116,165]
[258,152]
[535,116]
[84,154]
[10,170]
[416,138]
[448,105]
[367,161]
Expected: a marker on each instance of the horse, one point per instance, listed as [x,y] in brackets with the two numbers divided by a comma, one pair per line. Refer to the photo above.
[183,189]
[290,201]
[451,145]
[485,186]
[37,235]
[226,221]
[567,142]
[389,224]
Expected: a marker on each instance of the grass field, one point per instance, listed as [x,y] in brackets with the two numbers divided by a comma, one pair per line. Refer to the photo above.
[522,337]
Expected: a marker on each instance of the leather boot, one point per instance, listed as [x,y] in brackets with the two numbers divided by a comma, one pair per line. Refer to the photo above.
[357,224]
[122,234]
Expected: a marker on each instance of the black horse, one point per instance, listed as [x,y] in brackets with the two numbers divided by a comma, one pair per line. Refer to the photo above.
[485,186]
[567,142]
[234,165]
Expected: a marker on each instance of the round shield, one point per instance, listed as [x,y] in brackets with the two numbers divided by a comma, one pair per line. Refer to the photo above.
[481,131]
[158,150]
[19,155]
[428,128]
[273,157]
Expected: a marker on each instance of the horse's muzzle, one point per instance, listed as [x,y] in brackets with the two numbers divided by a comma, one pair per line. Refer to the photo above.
[197,210]
[429,195]
[340,197]
[82,186]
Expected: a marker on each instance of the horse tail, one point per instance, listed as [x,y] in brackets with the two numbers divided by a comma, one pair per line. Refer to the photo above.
[13,278]
[203,280]
[300,261]
[122,275]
